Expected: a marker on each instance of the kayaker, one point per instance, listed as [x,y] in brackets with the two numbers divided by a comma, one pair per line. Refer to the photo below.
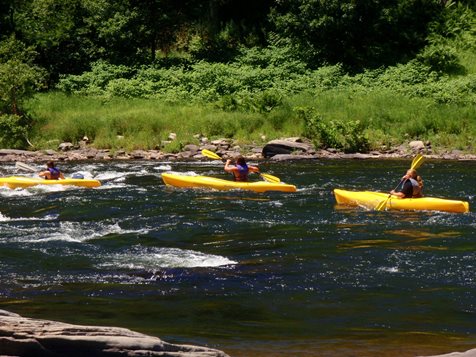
[51,172]
[241,170]
[412,186]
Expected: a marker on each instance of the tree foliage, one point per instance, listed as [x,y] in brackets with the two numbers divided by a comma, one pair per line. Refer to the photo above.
[357,33]
[69,35]
[19,79]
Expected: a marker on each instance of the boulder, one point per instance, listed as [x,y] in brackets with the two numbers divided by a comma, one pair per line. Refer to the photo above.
[20,336]
[417,145]
[277,147]
[192,148]
[66,146]
[287,157]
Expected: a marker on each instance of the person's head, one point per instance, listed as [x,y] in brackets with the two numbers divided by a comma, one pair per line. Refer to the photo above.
[411,173]
[50,164]
[240,160]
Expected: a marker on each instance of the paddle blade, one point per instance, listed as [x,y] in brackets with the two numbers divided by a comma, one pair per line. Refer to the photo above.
[382,205]
[22,166]
[270,178]
[417,161]
[210,154]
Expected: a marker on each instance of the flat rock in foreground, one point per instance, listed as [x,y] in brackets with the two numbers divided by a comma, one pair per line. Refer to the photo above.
[20,336]
[470,353]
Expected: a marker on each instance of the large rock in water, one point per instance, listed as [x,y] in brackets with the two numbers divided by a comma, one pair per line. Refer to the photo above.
[284,147]
[20,336]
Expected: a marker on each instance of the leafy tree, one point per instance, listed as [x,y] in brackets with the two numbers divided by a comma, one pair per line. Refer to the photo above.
[357,33]
[19,77]
[60,32]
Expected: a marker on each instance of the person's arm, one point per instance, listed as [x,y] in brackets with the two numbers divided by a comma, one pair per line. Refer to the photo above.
[43,174]
[406,190]
[228,167]
[61,176]
[397,194]
[253,169]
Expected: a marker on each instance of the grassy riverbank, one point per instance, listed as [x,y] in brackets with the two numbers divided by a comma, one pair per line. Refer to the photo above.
[389,119]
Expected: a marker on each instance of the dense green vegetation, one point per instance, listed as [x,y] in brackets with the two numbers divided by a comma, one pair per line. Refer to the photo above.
[355,75]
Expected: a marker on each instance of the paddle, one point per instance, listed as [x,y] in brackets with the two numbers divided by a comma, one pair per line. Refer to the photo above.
[416,163]
[266,177]
[25,167]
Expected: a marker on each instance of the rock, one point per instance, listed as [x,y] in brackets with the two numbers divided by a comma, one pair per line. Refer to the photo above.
[270,150]
[139,154]
[66,146]
[469,353]
[192,148]
[172,136]
[221,142]
[417,145]
[294,139]
[16,152]
[50,152]
[358,155]
[20,336]
[91,154]
[287,157]
[185,155]
[210,147]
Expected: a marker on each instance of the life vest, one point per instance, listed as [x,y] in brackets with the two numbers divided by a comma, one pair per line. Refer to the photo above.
[54,173]
[242,173]
[416,188]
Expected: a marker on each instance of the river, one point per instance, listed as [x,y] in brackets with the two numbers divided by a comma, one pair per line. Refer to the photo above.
[251,274]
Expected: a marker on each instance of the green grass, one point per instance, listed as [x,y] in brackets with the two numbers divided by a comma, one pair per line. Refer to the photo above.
[389,119]
[141,123]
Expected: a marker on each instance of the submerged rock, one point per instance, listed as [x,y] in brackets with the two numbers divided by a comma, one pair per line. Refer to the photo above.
[20,336]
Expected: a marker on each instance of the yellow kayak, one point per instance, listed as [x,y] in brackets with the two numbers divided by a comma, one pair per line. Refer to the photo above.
[219,184]
[371,200]
[24,182]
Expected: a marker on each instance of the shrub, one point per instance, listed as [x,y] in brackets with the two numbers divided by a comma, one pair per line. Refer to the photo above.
[348,136]
[440,58]
[13,131]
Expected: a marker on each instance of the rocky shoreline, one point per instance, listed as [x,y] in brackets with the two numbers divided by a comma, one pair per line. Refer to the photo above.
[23,337]
[20,336]
[273,151]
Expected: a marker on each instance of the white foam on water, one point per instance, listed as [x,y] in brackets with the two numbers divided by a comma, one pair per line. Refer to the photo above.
[163,168]
[112,175]
[389,269]
[109,186]
[4,218]
[78,232]
[165,258]
[18,192]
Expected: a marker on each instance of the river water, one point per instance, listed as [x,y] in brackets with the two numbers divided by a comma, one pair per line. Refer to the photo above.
[270,274]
